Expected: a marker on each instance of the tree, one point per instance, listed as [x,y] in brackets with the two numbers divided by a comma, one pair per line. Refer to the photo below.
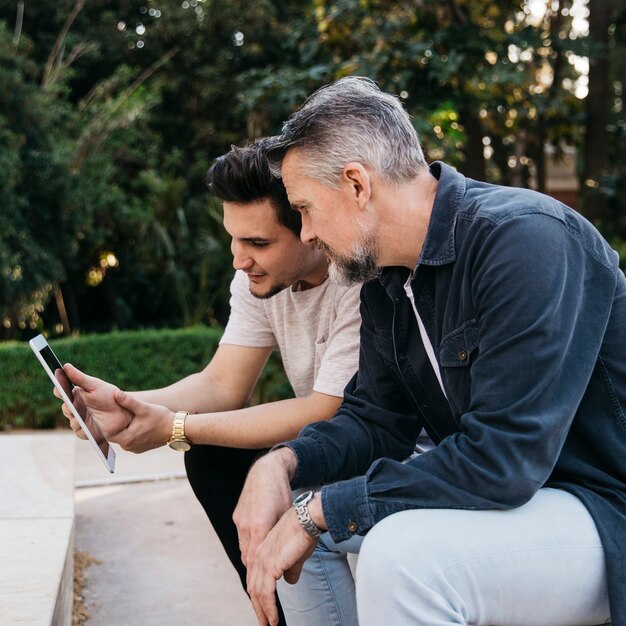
[604,167]
[112,110]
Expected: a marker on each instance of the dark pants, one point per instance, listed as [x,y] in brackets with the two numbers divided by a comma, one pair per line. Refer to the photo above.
[217,475]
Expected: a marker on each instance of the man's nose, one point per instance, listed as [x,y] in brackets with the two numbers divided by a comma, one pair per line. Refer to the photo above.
[307,234]
[241,259]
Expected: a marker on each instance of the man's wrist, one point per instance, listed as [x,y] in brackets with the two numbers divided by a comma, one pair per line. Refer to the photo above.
[168,424]
[286,458]
[302,509]
[316,511]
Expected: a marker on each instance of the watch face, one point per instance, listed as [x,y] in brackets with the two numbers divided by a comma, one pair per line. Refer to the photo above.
[303,498]
[180,446]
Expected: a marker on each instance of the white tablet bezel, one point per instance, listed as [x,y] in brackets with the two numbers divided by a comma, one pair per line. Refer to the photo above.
[38,344]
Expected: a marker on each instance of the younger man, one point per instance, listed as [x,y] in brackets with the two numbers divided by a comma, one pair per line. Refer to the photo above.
[281,299]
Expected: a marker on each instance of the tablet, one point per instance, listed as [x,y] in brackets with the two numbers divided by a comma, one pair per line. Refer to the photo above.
[72,399]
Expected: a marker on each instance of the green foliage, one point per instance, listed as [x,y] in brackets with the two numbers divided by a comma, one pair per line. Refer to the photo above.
[28,264]
[108,126]
[132,360]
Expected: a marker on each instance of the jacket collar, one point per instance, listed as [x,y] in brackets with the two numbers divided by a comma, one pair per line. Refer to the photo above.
[438,248]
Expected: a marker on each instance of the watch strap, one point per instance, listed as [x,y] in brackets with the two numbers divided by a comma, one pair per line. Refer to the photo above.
[301,506]
[178,428]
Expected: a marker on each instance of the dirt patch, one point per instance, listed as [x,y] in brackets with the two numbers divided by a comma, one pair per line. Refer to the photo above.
[82,560]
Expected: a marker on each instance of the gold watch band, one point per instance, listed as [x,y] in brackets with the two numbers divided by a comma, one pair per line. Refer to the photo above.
[178,440]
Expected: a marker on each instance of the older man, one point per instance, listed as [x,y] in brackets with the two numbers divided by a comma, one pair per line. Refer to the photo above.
[494,318]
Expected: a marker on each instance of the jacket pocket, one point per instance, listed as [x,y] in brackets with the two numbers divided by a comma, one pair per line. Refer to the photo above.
[457,346]
[457,352]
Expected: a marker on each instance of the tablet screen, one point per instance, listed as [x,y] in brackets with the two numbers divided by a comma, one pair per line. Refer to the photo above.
[74,395]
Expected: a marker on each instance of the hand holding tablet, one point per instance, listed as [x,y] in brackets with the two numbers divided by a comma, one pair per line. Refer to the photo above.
[74,402]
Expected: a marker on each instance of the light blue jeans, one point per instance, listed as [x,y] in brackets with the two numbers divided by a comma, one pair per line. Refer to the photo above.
[324,595]
[541,564]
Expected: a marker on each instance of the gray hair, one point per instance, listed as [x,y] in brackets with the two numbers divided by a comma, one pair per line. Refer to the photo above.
[352,120]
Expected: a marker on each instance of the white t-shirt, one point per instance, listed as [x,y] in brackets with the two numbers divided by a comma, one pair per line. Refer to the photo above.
[316,331]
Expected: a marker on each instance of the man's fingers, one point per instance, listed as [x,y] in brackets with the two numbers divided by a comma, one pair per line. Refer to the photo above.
[66,411]
[260,615]
[75,426]
[268,604]
[248,550]
[126,401]
[262,590]
[80,379]
[244,554]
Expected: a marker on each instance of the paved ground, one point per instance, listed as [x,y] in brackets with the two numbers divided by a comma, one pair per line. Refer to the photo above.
[160,561]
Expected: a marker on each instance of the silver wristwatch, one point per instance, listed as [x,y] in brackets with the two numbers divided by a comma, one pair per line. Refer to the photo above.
[301,505]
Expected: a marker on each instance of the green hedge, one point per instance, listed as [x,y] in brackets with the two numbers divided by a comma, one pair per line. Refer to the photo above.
[132,360]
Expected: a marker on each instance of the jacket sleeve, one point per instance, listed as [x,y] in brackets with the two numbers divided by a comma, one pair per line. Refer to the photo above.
[542,295]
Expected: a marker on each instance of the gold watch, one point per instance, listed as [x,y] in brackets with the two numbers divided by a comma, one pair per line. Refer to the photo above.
[178,441]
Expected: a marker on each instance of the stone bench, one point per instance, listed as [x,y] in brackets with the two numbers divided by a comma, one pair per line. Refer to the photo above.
[36,528]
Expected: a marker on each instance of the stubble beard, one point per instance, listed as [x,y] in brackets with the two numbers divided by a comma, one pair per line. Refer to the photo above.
[271,291]
[283,283]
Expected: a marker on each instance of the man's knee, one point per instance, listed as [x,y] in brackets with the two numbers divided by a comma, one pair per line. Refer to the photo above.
[393,542]
[379,566]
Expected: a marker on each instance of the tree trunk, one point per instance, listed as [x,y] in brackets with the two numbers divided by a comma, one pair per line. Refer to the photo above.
[596,148]
[474,156]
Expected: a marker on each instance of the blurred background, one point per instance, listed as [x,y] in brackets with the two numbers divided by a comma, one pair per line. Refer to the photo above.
[111,111]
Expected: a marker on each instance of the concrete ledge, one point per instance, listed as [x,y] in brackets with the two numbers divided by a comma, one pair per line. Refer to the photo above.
[37,529]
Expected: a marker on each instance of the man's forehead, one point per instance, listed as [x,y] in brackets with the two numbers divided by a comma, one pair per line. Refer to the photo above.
[293,164]
[251,220]
[294,173]
[258,212]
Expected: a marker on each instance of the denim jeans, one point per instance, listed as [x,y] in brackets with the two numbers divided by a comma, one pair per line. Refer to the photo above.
[324,594]
[541,564]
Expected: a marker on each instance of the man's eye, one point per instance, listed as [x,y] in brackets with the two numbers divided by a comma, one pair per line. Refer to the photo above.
[258,244]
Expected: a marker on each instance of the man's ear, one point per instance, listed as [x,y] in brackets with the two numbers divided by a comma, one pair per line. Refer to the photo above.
[357,178]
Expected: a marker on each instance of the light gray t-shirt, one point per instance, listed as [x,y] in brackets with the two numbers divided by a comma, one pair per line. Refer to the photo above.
[316,331]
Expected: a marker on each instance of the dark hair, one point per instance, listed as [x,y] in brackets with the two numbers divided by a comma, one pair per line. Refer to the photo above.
[243,175]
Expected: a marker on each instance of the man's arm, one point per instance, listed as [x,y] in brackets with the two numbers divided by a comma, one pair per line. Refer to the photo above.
[225,383]
[283,549]
[261,426]
[264,425]
[254,427]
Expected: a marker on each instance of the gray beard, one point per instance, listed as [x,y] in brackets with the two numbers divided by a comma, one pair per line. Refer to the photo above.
[352,271]
[358,266]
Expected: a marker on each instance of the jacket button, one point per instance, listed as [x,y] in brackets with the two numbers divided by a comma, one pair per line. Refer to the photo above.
[463,355]
[353,527]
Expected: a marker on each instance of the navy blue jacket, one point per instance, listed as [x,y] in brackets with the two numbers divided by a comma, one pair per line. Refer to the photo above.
[525,306]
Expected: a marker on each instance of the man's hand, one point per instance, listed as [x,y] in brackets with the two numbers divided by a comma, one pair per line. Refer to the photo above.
[283,552]
[150,424]
[98,396]
[266,495]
